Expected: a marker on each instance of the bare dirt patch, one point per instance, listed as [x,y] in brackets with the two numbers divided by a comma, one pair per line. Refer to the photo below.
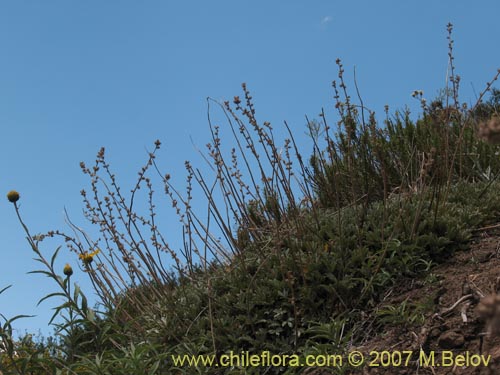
[462,317]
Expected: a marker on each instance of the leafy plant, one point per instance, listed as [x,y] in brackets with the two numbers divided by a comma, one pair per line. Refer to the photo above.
[289,257]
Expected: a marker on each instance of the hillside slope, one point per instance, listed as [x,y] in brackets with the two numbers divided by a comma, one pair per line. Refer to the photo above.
[463,316]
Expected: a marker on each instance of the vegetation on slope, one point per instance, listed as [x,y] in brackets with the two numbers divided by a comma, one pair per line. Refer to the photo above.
[293,253]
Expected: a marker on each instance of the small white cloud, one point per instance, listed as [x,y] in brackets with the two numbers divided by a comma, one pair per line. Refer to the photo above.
[326,20]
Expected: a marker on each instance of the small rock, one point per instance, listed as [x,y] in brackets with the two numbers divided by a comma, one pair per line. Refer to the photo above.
[451,340]
[435,332]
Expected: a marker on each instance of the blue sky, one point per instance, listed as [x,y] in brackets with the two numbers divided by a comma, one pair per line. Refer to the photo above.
[78,75]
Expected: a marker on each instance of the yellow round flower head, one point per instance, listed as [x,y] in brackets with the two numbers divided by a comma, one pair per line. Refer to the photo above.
[68,271]
[13,196]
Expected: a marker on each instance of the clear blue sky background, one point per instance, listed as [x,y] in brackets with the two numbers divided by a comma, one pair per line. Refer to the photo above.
[78,75]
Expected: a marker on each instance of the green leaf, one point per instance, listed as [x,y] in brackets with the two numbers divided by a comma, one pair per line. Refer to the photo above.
[90,315]
[154,368]
[8,322]
[4,289]
[76,292]
[84,302]
[52,260]
[58,309]
[46,273]
[51,295]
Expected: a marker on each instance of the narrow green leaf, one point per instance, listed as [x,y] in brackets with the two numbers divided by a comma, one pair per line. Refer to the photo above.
[4,289]
[47,273]
[52,260]
[8,322]
[51,295]
[58,309]
[76,292]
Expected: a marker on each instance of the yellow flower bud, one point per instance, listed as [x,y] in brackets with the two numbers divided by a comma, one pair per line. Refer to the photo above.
[13,196]
[68,271]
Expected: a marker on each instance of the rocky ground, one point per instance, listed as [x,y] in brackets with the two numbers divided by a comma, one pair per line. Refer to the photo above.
[462,322]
